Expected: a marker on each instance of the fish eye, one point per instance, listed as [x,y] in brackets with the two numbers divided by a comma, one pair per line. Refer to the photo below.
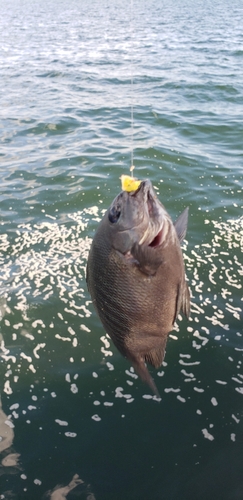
[114,214]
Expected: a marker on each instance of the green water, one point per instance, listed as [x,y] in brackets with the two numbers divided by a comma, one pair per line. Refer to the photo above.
[73,415]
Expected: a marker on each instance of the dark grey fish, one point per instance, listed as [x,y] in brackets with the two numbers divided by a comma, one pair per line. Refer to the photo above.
[136,276]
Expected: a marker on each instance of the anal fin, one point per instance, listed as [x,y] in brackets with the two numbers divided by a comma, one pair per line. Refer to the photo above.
[156,356]
[142,371]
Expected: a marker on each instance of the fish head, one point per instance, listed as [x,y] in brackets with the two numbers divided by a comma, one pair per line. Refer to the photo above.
[137,217]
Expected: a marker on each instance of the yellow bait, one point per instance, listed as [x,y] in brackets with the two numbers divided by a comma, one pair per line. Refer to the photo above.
[129,183]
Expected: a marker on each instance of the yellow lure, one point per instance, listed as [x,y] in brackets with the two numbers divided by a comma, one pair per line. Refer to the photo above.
[129,183]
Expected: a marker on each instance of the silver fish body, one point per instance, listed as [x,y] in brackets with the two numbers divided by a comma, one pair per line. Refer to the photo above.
[136,276]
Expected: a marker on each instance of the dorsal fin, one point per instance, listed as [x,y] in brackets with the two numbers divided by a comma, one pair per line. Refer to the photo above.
[181,224]
[185,303]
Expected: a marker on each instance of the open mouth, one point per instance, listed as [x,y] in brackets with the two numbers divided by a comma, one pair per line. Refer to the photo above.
[151,207]
[150,203]
[156,219]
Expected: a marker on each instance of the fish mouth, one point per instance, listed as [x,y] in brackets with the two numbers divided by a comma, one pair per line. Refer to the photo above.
[155,232]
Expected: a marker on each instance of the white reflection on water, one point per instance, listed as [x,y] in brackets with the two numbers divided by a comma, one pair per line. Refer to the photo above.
[10,459]
[49,259]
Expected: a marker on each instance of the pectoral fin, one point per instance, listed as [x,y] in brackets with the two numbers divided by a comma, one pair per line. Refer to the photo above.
[148,258]
[181,224]
[183,301]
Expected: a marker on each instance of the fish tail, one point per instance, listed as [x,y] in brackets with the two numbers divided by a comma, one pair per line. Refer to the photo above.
[144,374]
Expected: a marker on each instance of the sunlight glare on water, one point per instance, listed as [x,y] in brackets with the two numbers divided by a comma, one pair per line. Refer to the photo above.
[75,419]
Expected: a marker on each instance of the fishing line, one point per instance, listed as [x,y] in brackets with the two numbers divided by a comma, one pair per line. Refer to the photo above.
[132,78]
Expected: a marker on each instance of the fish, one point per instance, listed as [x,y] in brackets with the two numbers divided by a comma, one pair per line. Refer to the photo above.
[136,276]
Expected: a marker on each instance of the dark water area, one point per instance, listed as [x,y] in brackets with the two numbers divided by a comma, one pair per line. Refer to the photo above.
[75,421]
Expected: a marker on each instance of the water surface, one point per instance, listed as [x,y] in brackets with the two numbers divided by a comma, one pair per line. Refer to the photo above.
[75,421]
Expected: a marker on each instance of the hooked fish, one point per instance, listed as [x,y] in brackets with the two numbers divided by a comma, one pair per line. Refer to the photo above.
[136,276]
